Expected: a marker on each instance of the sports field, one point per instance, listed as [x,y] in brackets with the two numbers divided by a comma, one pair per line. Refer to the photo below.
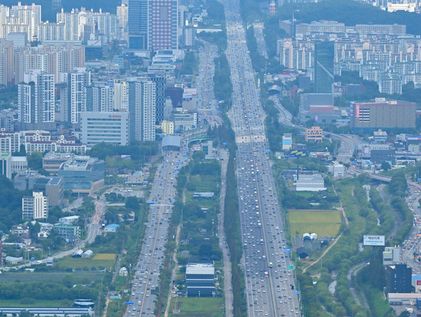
[194,307]
[323,222]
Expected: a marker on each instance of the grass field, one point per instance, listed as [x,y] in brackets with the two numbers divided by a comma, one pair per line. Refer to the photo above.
[100,260]
[104,257]
[204,183]
[322,222]
[194,307]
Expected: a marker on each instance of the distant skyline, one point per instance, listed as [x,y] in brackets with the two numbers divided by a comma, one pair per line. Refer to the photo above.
[49,14]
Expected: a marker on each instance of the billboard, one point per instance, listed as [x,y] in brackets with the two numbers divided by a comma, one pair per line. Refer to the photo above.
[376,241]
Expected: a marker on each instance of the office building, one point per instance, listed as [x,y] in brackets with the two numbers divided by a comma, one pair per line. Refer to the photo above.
[384,114]
[138,26]
[35,207]
[54,191]
[105,127]
[323,67]
[153,25]
[161,86]
[163,25]
[200,280]
[142,108]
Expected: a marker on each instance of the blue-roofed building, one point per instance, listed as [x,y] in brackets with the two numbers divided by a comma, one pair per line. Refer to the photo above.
[111,228]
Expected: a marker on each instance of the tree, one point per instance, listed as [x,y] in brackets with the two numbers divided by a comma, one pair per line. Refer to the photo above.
[10,204]
[34,229]
[35,161]
[385,166]
[132,203]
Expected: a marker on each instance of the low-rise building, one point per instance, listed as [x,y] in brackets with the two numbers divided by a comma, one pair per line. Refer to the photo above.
[167,127]
[200,280]
[52,161]
[314,134]
[184,121]
[392,256]
[337,169]
[384,114]
[70,233]
[18,164]
[310,183]
[82,174]
[287,142]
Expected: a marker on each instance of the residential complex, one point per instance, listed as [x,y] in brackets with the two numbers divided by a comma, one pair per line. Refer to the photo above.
[385,54]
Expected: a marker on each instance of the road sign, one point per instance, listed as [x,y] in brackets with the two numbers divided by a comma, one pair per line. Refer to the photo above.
[129,303]
[372,240]
[291,267]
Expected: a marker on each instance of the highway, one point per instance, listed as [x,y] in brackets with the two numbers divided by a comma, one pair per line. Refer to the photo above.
[146,278]
[269,275]
[206,102]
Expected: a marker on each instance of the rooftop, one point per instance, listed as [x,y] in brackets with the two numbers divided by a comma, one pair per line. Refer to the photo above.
[198,268]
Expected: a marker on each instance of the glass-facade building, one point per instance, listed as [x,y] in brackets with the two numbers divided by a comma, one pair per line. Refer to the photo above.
[138,24]
[323,67]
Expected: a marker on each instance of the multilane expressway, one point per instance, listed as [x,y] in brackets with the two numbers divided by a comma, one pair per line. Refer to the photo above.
[146,278]
[269,276]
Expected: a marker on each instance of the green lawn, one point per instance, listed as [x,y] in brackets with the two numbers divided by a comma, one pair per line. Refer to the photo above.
[322,222]
[204,183]
[98,261]
[194,307]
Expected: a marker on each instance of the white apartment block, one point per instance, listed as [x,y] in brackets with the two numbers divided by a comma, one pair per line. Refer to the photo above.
[35,207]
